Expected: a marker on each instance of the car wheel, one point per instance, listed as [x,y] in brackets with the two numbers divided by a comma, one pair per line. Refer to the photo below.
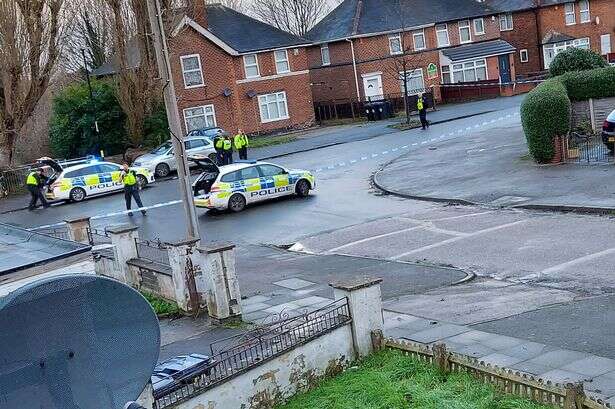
[162,170]
[77,194]
[303,188]
[141,181]
[236,203]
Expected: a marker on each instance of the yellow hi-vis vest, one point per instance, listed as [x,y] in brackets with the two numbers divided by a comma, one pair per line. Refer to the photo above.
[419,104]
[227,145]
[238,141]
[219,143]
[130,179]
[31,180]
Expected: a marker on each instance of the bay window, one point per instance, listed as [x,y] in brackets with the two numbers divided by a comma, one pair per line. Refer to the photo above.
[551,50]
[469,71]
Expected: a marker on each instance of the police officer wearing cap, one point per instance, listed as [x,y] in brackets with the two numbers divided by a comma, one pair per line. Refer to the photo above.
[218,146]
[131,188]
[35,182]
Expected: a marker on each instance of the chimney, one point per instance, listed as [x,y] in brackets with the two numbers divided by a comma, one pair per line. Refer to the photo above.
[199,13]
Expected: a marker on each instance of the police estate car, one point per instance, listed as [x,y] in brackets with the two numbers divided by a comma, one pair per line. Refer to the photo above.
[75,182]
[237,185]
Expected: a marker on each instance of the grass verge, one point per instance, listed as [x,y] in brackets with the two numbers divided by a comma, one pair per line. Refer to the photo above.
[403,126]
[162,307]
[390,380]
[262,141]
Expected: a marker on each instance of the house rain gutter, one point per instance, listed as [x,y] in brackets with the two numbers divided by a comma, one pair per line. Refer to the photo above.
[354,66]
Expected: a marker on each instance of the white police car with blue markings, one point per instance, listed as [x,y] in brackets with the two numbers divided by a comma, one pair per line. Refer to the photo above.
[235,186]
[76,182]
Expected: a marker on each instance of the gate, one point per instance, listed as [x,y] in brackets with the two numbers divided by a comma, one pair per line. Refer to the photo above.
[587,149]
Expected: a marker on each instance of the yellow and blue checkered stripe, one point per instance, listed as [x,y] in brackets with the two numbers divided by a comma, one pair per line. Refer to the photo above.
[251,185]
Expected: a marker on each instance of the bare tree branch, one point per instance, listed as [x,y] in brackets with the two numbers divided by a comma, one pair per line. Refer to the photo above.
[31,34]
[294,16]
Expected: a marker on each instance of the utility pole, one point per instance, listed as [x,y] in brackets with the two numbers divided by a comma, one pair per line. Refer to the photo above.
[170,102]
[87,76]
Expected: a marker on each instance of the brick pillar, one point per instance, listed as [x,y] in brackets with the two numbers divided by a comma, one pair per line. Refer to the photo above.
[365,304]
[217,282]
[123,238]
[78,229]
[183,272]
[558,146]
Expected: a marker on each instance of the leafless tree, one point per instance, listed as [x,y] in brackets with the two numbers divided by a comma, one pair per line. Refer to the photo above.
[294,16]
[404,59]
[237,5]
[31,33]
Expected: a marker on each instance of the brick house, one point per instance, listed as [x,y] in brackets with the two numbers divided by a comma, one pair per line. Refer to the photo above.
[235,72]
[357,47]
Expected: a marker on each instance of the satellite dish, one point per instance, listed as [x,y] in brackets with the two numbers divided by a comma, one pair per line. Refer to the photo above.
[227,92]
[251,93]
[75,342]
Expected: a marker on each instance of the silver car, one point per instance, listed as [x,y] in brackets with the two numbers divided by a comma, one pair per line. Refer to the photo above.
[161,161]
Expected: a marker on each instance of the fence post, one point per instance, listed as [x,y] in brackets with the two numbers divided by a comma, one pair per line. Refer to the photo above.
[123,238]
[218,281]
[365,306]
[78,229]
[377,340]
[182,269]
[441,356]
[575,395]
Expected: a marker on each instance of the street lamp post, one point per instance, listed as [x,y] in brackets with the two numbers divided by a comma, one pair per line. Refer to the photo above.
[170,102]
[87,76]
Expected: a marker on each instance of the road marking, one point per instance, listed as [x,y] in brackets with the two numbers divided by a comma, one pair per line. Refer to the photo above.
[563,266]
[456,239]
[380,236]
[405,147]
[442,219]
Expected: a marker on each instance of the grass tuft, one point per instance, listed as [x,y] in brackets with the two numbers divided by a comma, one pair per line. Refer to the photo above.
[262,141]
[162,307]
[390,380]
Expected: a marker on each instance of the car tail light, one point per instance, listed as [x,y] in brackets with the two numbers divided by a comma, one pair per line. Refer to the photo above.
[214,188]
[608,126]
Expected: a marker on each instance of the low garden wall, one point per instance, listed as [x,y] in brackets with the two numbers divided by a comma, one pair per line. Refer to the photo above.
[547,111]
[593,112]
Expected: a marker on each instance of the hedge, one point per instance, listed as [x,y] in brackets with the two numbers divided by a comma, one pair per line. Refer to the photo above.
[545,111]
[545,114]
[576,59]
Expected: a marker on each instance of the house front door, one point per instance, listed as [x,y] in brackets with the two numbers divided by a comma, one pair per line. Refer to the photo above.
[372,86]
[504,68]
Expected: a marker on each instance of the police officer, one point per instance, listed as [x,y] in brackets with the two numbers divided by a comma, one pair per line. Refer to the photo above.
[241,144]
[35,182]
[227,147]
[131,188]
[218,146]
[421,105]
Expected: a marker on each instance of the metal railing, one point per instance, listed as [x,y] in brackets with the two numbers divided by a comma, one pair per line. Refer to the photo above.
[235,355]
[57,232]
[587,148]
[98,237]
[153,251]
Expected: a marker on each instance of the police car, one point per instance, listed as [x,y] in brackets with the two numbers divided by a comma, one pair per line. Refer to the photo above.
[235,186]
[76,181]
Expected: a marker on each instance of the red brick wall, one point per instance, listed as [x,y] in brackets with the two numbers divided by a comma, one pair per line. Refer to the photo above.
[525,36]
[221,71]
[553,19]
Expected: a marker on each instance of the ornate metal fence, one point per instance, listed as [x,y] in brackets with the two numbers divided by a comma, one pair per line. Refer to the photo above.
[587,149]
[153,251]
[569,396]
[235,355]
[60,232]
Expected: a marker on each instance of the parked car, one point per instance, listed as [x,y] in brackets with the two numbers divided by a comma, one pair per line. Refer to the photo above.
[608,131]
[161,161]
[209,132]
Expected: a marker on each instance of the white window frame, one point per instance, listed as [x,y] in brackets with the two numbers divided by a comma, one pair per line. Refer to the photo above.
[506,18]
[482,24]
[391,41]
[446,70]
[246,66]
[285,60]
[419,33]
[184,71]
[524,55]
[443,29]
[260,106]
[464,27]
[464,68]
[569,10]
[605,44]
[322,55]
[586,11]
[205,114]
[557,48]
[417,73]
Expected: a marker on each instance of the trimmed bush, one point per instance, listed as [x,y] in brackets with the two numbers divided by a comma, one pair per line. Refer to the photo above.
[545,114]
[576,59]
[598,83]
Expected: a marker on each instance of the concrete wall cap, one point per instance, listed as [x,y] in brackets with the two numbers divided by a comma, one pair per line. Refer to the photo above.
[184,242]
[77,219]
[355,283]
[121,228]
[216,248]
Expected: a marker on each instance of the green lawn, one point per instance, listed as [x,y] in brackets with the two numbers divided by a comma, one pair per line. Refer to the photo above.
[262,141]
[390,380]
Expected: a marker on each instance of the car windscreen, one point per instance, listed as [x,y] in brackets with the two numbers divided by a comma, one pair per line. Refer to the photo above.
[162,148]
